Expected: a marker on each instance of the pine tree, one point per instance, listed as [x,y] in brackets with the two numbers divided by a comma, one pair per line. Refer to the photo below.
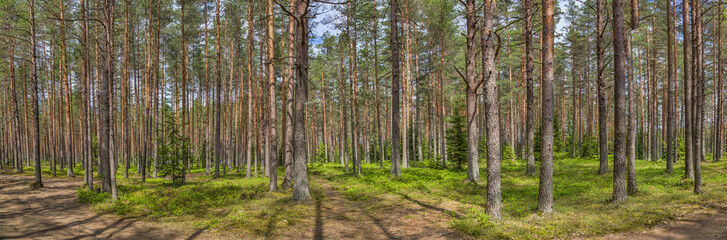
[457,138]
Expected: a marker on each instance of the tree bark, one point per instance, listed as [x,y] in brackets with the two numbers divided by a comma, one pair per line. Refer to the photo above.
[34,81]
[185,130]
[250,88]
[601,88]
[218,110]
[619,165]
[353,85]
[545,192]
[530,92]
[273,123]
[395,78]
[288,143]
[670,91]
[126,92]
[343,130]
[492,106]
[68,148]
[719,112]
[472,84]
[697,94]
[300,169]
[631,139]
[105,136]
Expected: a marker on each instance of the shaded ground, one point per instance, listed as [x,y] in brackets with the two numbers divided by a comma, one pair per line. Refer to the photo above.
[705,225]
[392,218]
[53,212]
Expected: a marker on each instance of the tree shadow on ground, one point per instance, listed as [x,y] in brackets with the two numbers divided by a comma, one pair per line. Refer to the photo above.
[432,207]
[55,228]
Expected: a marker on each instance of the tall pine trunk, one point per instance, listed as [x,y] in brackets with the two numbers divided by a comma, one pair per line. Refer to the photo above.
[492,108]
[395,79]
[273,123]
[619,163]
[472,84]
[545,192]
[601,89]
[530,92]
[34,81]
[300,169]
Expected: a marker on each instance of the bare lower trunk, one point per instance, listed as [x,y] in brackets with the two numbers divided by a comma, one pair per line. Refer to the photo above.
[395,78]
[250,90]
[472,83]
[601,88]
[698,94]
[35,94]
[670,78]
[272,126]
[631,139]
[619,166]
[718,118]
[492,112]
[300,169]
[218,110]
[530,94]
[545,192]
[288,144]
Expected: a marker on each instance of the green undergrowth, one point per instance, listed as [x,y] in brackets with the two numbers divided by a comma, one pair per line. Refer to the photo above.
[581,197]
[234,204]
[230,203]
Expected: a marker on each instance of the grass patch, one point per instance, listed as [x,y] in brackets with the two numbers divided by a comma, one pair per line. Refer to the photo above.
[234,204]
[91,197]
[230,204]
[580,196]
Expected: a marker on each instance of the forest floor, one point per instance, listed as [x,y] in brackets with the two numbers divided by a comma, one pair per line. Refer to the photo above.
[424,203]
[53,212]
[708,224]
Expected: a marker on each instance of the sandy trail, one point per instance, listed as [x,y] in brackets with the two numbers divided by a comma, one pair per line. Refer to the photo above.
[53,212]
[339,218]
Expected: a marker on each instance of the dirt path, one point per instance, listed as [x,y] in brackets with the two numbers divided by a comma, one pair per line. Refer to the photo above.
[338,218]
[702,226]
[53,212]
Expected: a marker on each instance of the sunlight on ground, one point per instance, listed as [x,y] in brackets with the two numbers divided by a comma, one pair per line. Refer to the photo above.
[245,207]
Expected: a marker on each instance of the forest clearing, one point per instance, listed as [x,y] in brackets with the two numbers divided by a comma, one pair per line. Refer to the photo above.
[426,204]
[362,119]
